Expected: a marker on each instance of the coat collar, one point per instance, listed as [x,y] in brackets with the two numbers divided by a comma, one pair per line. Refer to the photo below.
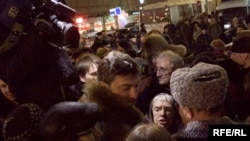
[112,106]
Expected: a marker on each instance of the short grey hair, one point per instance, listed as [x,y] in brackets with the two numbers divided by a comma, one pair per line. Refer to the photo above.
[175,59]
[162,96]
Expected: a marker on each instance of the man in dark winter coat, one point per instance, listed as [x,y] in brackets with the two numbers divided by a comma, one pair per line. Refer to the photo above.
[115,93]
[241,56]
[108,112]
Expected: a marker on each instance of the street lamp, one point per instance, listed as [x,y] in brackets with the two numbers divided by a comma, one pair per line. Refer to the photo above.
[138,38]
[140,9]
[141,1]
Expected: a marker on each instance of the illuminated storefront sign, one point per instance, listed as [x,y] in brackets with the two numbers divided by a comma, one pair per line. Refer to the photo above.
[82,24]
[115,11]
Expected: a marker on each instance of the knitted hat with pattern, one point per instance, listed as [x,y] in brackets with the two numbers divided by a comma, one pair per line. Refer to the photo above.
[22,124]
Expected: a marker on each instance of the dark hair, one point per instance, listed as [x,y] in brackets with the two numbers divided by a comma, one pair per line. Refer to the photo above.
[116,63]
[206,57]
[131,52]
[83,62]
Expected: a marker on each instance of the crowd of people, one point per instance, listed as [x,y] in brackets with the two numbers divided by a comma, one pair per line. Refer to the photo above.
[164,85]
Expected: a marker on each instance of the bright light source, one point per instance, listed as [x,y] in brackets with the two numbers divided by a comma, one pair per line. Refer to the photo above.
[227,26]
[141,1]
[79,20]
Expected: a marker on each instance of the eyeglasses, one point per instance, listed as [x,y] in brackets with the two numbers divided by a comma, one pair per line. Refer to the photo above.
[163,70]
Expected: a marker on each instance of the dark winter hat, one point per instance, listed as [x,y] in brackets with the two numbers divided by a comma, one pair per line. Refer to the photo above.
[241,45]
[201,87]
[22,124]
[205,57]
[217,44]
[98,33]
[66,119]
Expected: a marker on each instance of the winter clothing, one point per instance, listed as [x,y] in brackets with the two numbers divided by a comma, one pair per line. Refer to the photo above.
[201,87]
[241,45]
[67,119]
[22,124]
[117,116]
[199,130]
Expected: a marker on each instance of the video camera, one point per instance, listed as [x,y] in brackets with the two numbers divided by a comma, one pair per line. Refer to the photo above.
[51,19]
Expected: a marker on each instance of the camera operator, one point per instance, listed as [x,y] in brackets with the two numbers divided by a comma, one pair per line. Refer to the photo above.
[33,61]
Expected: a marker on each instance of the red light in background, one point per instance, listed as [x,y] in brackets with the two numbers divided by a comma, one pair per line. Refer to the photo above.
[79,20]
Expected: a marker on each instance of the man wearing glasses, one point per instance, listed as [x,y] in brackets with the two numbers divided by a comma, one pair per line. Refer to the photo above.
[166,63]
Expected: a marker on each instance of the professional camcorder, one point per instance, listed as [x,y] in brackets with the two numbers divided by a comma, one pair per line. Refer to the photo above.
[51,19]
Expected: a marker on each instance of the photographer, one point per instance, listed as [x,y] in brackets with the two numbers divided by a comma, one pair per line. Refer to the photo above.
[33,34]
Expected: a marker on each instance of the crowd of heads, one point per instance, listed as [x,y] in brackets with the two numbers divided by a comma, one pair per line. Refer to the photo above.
[183,84]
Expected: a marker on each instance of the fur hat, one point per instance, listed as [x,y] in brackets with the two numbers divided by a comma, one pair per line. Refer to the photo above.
[66,119]
[22,124]
[201,87]
[179,49]
[154,45]
[217,44]
[241,45]
[101,52]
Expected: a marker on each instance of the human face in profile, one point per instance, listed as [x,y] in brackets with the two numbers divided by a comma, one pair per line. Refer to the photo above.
[5,90]
[163,70]
[125,86]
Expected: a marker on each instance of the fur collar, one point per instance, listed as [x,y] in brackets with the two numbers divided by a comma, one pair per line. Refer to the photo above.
[112,107]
